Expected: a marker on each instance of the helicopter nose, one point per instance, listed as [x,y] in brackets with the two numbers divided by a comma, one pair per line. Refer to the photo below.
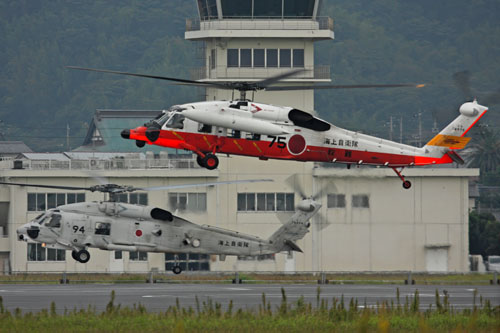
[22,233]
[152,134]
[125,134]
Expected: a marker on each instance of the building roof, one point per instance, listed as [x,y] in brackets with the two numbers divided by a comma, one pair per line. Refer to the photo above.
[104,131]
[14,147]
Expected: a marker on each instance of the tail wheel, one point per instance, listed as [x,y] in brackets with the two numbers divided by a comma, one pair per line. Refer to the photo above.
[211,161]
[199,159]
[82,256]
[406,184]
[177,269]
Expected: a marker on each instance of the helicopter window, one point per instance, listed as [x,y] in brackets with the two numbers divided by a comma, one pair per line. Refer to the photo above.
[55,221]
[162,119]
[102,228]
[233,133]
[175,121]
[253,136]
[203,128]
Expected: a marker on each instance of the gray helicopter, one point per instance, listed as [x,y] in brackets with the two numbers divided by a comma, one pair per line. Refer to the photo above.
[116,226]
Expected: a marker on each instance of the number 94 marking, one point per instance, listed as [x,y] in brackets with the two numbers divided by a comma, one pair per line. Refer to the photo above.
[78,229]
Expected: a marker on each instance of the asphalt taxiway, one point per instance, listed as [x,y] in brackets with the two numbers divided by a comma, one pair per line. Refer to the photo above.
[158,297]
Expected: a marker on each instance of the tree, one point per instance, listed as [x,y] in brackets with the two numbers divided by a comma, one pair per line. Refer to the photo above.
[484,234]
[485,151]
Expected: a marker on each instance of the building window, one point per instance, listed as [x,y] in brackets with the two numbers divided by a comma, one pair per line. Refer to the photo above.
[188,262]
[118,255]
[246,58]
[285,58]
[191,201]
[232,58]
[138,256]
[270,202]
[36,252]
[335,200]
[213,58]
[272,57]
[133,198]
[298,58]
[360,201]
[258,58]
[42,201]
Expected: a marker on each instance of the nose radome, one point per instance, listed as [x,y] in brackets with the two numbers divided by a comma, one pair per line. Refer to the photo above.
[125,134]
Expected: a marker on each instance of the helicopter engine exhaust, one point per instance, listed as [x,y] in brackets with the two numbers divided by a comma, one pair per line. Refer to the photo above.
[134,211]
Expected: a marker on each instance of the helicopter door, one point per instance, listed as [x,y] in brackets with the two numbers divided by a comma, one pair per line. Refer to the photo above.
[121,233]
[79,229]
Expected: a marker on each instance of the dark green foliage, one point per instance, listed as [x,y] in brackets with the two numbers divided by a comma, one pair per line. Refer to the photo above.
[484,234]
[376,42]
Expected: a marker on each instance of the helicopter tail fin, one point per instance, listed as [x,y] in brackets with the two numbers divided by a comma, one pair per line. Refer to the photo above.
[453,136]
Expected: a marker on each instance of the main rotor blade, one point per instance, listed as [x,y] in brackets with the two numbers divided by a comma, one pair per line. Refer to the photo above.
[336,86]
[156,77]
[273,79]
[170,187]
[49,186]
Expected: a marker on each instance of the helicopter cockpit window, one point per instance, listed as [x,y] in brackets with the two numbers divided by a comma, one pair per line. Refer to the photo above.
[102,228]
[175,121]
[54,222]
[203,128]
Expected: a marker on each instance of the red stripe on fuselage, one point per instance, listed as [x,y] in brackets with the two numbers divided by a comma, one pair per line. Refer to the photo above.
[260,148]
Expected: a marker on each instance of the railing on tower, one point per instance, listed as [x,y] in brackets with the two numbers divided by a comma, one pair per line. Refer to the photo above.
[261,23]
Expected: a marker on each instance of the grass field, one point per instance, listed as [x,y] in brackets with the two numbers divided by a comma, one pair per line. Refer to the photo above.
[365,278]
[324,316]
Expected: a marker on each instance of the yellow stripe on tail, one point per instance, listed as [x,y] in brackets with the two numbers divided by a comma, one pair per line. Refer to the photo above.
[450,141]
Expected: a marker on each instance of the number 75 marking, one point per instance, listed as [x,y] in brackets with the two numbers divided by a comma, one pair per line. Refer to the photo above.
[279,139]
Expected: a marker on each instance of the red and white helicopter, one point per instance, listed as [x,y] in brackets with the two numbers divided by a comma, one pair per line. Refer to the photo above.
[247,128]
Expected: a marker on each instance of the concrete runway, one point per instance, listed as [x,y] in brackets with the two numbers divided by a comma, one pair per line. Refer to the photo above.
[158,297]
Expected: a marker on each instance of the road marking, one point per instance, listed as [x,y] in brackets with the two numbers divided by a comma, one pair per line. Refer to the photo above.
[238,289]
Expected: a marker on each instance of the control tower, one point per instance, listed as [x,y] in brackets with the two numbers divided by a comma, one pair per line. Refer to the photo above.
[250,40]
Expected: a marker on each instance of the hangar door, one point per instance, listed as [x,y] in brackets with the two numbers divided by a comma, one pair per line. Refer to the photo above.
[436,259]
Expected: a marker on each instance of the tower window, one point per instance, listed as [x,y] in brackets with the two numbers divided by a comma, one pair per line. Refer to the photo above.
[285,58]
[272,58]
[298,58]
[246,57]
[258,58]
[232,58]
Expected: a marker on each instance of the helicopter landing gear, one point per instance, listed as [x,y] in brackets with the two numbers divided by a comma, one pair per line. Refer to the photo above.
[82,256]
[177,269]
[210,161]
[140,143]
[406,183]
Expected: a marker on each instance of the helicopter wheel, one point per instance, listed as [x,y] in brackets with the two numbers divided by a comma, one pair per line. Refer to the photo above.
[140,143]
[211,161]
[73,255]
[199,159]
[82,256]
[177,269]
[406,184]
